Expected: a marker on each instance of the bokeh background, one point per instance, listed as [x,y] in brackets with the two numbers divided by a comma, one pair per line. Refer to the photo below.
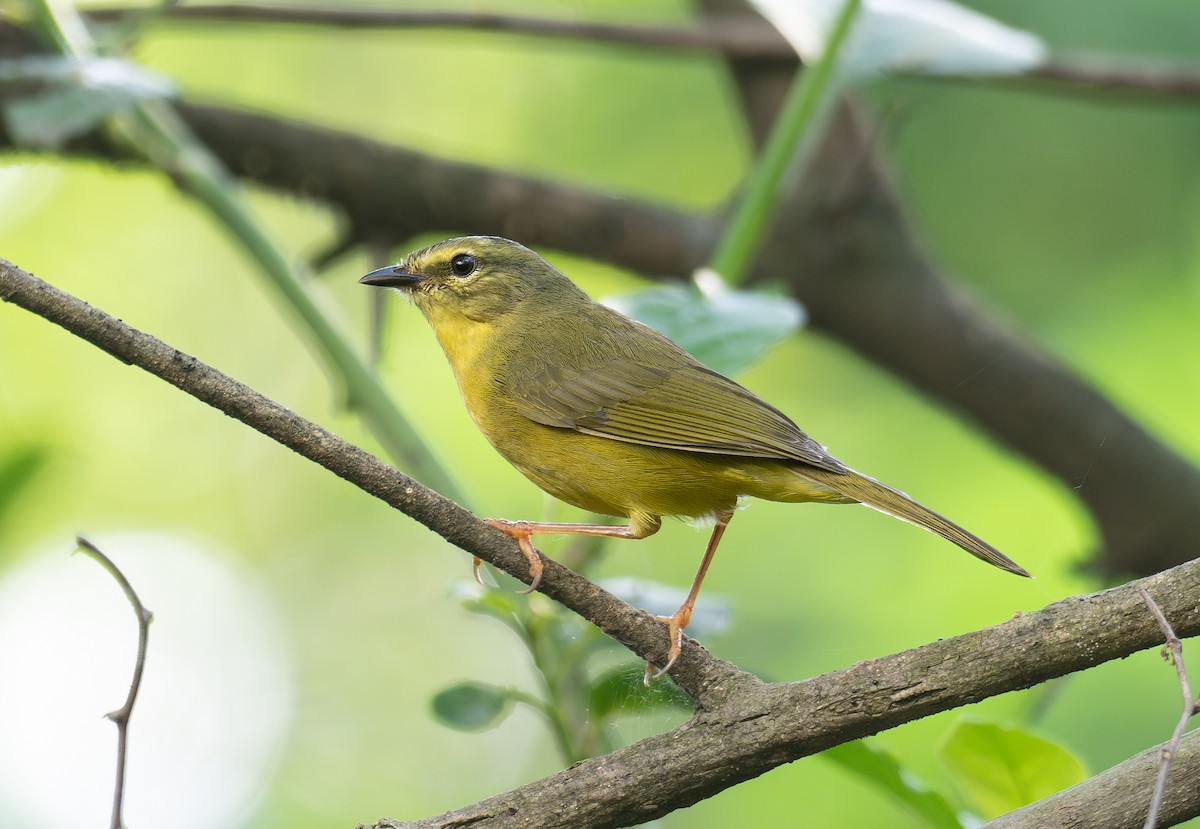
[1071,217]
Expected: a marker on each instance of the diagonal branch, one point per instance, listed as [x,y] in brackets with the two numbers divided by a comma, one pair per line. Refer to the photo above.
[697,671]
[742,727]
[765,726]
[867,281]
[845,249]
[886,299]
[850,259]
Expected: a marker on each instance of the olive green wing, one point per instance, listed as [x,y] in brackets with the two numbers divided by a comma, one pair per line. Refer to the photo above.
[679,406]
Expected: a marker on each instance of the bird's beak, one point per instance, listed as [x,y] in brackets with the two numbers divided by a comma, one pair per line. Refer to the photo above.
[393,276]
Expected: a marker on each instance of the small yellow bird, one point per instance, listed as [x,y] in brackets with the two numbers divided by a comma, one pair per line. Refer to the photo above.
[612,417]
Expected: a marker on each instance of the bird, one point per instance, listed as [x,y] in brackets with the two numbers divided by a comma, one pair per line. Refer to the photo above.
[610,416]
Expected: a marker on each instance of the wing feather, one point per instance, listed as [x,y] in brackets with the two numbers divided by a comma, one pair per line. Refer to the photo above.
[682,406]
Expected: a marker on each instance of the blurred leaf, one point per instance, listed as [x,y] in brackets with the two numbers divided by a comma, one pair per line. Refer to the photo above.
[472,706]
[726,330]
[501,605]
[50,119]
[483,599]
[16,471]
[709,616]
[99,74]
[928,36]
[884,770]
[1000,768]
[75,95]
[624,689]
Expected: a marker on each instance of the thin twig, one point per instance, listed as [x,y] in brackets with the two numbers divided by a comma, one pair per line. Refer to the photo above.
[741,35]
[733,36]
[1173,652]
[121,716]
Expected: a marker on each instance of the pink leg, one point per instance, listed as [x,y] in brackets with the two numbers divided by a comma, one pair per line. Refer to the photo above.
[523,531]
[678,620]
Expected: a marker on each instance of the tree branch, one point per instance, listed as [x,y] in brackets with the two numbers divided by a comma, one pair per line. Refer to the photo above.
[391,193]
[842,242]
[868,282]
[731,34]
[741,34]
[742,727]
[764,726]
[696,670]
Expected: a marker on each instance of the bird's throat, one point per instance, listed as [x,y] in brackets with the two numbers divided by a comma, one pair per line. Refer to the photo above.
[467,343]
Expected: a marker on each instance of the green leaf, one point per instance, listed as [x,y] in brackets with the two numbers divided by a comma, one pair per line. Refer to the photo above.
[74,96]
[883,770]
[726,330]
[472,706]
[624,689]
[999,768]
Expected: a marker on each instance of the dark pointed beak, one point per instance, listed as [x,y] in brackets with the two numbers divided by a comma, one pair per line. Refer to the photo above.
[393,276]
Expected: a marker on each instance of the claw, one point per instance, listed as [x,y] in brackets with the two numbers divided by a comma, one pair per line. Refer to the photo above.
[517,530]
[675,623]
[475,571]
[535,564]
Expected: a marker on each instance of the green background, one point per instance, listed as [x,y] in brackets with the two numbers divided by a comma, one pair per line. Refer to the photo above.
[1073,218]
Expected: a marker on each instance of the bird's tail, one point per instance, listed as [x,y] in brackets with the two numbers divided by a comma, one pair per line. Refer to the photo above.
[898,505]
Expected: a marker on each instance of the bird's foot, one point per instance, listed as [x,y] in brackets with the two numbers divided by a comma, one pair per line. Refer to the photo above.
[675,623]
[519,530]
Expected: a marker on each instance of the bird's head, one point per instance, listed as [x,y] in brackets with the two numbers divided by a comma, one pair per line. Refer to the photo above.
[477,278]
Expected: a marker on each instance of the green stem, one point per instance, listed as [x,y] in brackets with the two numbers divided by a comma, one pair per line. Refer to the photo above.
[562,734]
[155,130]
[807,97]
[61,25]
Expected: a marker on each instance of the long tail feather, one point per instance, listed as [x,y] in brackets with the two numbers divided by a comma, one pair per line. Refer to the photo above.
[872,493]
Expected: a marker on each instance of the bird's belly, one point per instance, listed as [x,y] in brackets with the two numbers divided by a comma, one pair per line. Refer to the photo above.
[617,478]
[620,478]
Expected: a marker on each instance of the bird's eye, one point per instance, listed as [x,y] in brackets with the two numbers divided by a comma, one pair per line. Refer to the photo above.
[462,265]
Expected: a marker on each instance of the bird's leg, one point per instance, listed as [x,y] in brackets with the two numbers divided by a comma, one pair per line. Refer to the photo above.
[678,620]
[523,531]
